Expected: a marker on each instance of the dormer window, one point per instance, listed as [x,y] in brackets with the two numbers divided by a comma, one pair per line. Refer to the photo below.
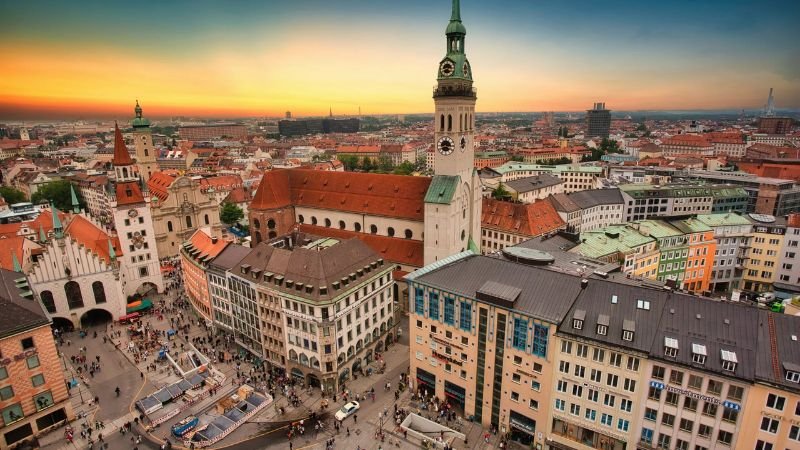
[699,353]
[602,324]
[643,304]
[792,372]
[670,347]
[578,318]
[628,330]
[729,360]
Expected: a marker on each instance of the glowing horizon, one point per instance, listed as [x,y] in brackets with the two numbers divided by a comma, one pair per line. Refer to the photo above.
[254,59]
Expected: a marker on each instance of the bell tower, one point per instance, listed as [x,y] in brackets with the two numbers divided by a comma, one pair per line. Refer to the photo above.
[454,101]
[453,201]
[143,143]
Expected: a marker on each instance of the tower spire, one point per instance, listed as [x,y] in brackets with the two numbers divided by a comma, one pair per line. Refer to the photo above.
[111,253]
[42,234]
[121,155]
[138,110]
[456,14]
[58,229]
[76,207]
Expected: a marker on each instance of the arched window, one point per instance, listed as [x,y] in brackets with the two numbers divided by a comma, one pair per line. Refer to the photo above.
[390,231]
[258,237]
[357,227]
[257,223]
[463,234]
[272,234]
[328,223]
[99,292]
[449,122]
[373,229]
[301,219]
[48,302]
[74,297]
[409,234]
[188,221]
[169,225]
[342,225]
[313,220]
[271,224]
[205,219]
[146,152]
[441,122]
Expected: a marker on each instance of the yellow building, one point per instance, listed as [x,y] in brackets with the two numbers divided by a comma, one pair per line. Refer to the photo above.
[761,261]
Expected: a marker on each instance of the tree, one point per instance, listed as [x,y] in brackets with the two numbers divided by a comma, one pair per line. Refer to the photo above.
[610,146]
[422,163]
[556,161]
[517,158]
[385,163]
[230,213]
[12,195]
[500,193]
[350,162]
[367,165]
[404,168]
[59,193]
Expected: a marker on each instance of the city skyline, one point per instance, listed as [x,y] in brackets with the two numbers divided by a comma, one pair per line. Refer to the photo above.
[252,59]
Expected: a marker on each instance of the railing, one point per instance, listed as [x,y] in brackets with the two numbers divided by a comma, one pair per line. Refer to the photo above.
[455,91]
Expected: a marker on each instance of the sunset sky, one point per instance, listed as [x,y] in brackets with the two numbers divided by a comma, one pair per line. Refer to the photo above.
[92,59]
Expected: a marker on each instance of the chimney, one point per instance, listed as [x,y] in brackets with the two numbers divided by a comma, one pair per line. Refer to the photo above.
[214,239]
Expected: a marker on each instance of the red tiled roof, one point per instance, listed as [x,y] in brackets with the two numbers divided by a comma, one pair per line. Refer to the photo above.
[396,250]
[237,195]
[14,244]
[534,219]
[92,237]
[9,229]
[121,155]
[364,193]
[129,193]
[158,184]
[207,245]
[794,220]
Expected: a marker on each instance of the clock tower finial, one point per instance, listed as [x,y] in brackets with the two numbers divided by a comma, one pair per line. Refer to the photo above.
[456,14]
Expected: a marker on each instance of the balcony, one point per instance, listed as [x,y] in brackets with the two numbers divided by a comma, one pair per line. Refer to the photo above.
[460,90]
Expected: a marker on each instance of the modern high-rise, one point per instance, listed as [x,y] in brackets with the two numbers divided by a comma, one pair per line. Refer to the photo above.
[598,121]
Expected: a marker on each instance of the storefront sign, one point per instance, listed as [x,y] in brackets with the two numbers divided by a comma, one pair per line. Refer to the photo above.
[688,393]
[445,358]
[24,355]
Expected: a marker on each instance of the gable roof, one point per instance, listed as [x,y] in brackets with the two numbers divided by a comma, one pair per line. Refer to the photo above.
[396,250]
[92,237]
[778,331]
[15,247]
[527,219]
[121,155]
[158,184]
[19,313]
[201,246]
[385,195]
[529,184]
[129,193]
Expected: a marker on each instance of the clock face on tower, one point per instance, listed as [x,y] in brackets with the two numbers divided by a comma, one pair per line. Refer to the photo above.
[445,145]
[463,143]
[447,68]
[133,213]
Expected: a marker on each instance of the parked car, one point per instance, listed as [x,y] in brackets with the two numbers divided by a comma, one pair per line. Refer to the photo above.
[347,410]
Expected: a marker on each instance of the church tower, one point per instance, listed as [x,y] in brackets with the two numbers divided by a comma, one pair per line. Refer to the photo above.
[453,201]
[139,264]
[143,142]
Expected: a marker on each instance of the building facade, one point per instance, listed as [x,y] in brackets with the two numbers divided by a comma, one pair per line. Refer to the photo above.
[762,260]
[195,255]
[598,121]
[33,396]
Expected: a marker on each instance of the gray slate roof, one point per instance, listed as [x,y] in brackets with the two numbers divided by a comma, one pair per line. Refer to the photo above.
[615,305]
[544,295]
[594,197]
[18,313]
[533,183]
[771,367]
[229,257]
[739,335]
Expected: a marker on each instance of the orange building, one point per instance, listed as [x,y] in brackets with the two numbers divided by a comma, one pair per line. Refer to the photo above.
[33,395]
[700,258]
[195,256]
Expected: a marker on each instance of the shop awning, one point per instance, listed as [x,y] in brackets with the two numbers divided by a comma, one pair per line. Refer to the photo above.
[139,306]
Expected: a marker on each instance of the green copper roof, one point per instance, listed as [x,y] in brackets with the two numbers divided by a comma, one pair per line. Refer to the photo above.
[611,239]
[15,262]
[42,235]
[657,228]
[139,121]
[76,207]
[455,25]
[111,252]
[58,229]
[442,189]
[723,219]
[690,225]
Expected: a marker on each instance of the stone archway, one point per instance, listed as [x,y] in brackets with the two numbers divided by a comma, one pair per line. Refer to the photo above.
[313,380]
[147,288]
[63,324]
[389,340]
[95,316]
[298,374]
[379,347]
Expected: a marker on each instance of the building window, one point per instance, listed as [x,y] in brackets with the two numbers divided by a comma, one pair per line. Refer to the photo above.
[6,392]
[188,221]
[419,301]
[769,425]
[724,437]
[449,311]
[48,301]
[32,361]
[465,317]
[540,338]
[373,229]
[776,402]
[43,400]
[433,305]
[99,292]
[390,232]
[520,334]
[74,297]
[409,234]
[12,414]
[169,226]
